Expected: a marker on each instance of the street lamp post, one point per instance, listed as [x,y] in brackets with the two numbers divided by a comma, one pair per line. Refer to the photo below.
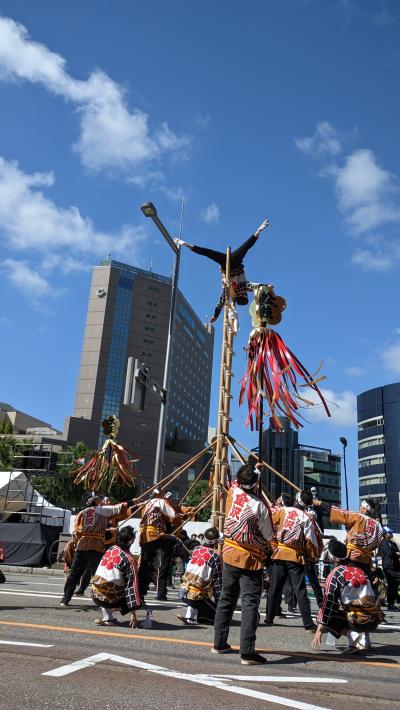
[149,210]
[343,441]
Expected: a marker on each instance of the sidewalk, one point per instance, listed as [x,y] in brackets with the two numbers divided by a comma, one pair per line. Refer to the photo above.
[16,569]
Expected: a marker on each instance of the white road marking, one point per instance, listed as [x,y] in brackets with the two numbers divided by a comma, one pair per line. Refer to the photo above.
[208,680]
[278,679]
[41,595]
[42,584]
[382,627]
[23,643]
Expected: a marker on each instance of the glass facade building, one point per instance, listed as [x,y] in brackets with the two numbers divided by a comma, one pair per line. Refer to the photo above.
[378,417]
[128,316]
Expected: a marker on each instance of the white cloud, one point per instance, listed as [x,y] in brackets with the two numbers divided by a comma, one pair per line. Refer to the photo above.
[354,371]
[342,406]
[391,358]
[366,193]
[112,135]
[30,220]
[372,260]
[211,214]
[26,279]
[324,142]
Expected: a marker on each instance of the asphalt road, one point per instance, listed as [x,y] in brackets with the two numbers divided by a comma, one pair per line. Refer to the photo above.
[170,665]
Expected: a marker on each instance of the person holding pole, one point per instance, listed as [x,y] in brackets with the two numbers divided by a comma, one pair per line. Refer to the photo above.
[298,542]
[90,528]
[248,529]
[155,542]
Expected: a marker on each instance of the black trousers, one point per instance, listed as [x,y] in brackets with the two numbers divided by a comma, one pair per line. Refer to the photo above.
[247,584]
[85,580]
[393,581]
[158,552]
[205,609]
[311,572]
[219,257]
[83,560]
[2,577]
[280,571]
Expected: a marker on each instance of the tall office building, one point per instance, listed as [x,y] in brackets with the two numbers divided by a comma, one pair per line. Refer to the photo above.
[305,466]
[128,315]
[378,416]
[321,469]
[279,449]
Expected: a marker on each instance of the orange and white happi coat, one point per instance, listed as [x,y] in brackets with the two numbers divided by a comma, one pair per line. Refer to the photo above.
[91,525]
[247,530]
[297,537]
[156,515]
[363,533]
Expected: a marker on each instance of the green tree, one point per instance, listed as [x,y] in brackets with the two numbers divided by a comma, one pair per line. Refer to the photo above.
[6,426]
[60,489]
[7,445]
[194,498]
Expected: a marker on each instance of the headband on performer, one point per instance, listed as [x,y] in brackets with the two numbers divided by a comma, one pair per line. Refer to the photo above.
[249,486]
[366,505]
[299,500]
[337,550]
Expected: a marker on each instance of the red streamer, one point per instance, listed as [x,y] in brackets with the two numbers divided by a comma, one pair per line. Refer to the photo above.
[273,372]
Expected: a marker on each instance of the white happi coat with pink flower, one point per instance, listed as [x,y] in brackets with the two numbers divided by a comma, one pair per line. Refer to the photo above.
[203,575]
[115,583]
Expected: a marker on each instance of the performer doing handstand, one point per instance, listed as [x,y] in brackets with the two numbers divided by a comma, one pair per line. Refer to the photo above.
[238,283]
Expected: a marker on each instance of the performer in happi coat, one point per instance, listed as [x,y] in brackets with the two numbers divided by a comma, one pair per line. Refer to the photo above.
[69,553]
[297,542]
[247,530]
[90,528]
[364,533]
[238,284]
[115,583]
[157,543]
[201,583]
[349,606]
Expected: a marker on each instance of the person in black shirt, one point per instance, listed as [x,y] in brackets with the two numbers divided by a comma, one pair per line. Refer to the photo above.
[390,554]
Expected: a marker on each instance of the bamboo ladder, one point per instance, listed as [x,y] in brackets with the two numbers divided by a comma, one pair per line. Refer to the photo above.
[221,463]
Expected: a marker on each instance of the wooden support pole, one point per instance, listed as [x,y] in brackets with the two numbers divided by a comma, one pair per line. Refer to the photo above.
[277,473]
[221,451]
[198,478]
[265,494]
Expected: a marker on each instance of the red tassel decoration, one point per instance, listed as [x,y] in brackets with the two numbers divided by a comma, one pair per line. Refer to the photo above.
[112,464]
[273,372]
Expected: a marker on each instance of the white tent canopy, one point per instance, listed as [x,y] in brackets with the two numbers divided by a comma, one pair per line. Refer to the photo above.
[31,500]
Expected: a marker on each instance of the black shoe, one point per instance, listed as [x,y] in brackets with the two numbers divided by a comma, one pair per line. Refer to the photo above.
[79,593]
[392,607]
[63,603]
[219,651]
[268,623]
[161,599]
[252,659]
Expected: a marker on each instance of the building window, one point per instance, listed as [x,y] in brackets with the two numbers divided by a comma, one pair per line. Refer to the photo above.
[367,423]
[372,441]
[371,461]
[372,480]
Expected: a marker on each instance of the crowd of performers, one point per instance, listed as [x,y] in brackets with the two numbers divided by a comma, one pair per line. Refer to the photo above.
[280,543]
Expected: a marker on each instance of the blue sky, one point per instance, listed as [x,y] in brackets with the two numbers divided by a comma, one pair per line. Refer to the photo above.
[287,110]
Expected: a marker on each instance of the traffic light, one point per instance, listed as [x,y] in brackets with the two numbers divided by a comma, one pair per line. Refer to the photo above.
[136,383]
